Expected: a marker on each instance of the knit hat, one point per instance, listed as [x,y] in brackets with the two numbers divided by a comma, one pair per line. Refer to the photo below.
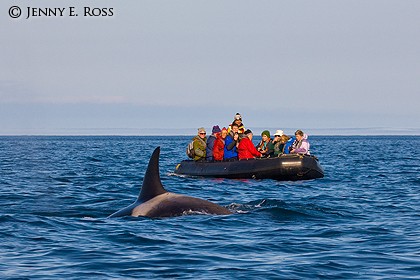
[216,129]
[201,130]
[224,129]
[279,133]
[266,133]
[248,131]
[238,117]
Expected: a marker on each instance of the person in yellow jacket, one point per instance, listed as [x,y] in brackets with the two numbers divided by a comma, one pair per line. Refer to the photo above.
[238,121]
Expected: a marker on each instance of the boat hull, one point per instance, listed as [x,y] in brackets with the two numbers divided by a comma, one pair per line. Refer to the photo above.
[284,168]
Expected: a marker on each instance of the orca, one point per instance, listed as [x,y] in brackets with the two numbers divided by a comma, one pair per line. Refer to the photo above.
[155,202]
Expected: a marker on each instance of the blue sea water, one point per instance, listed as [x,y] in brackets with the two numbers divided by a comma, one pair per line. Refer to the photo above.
[361,221]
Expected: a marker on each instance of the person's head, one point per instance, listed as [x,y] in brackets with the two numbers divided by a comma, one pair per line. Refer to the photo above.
[215,130]
[238,119]
[265,135]
[284,138]
[299,134]
[235,128]
[278,134]
[248,133]
[202,132]
[224,133]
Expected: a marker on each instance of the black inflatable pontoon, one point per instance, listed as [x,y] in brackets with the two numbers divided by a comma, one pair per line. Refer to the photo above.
[284,168]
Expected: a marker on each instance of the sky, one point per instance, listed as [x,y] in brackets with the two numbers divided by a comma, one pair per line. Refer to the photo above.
[168,67]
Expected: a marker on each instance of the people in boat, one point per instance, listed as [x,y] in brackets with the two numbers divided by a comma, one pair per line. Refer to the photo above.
[238,121]
[219,145]
[265,147]
[301,144]
[246,149]
[210,142]
[279,143]
[231,143]
[199,144]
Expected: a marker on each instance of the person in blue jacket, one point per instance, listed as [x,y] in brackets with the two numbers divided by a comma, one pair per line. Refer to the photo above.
[231,142]
[210,142]
[288,145]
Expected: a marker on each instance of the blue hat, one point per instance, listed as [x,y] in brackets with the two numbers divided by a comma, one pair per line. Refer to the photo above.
[216,129]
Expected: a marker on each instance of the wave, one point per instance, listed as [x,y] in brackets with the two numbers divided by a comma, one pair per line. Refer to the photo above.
[280,208]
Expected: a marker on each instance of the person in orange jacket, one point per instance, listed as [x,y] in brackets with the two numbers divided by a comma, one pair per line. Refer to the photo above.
[246,149]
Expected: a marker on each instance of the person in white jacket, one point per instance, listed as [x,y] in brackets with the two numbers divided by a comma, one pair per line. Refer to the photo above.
[301,144]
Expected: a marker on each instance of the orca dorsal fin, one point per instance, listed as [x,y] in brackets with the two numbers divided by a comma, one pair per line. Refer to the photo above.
[152,186]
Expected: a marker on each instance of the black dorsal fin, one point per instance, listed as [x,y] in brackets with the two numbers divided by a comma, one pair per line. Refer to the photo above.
[152,186]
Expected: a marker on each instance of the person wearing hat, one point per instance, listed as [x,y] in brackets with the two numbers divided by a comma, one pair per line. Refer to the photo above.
[246,149]
[199,144]
[219,145]
[238,121]
[264,146]
[210,142]
[278,143]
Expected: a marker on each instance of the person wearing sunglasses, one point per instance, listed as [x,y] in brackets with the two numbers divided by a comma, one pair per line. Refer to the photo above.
[199,143]
[279,142]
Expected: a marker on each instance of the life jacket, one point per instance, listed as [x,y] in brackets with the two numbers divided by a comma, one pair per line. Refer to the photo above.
[241,128]
[288,145]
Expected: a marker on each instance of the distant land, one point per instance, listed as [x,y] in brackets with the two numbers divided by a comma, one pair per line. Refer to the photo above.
[192,131]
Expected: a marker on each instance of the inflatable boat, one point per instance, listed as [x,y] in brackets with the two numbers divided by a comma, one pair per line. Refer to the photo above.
[284,168]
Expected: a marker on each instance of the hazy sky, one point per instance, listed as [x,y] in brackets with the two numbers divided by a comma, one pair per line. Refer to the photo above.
[171,66]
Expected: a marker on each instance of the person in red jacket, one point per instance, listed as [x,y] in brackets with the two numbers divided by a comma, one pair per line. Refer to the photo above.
[219,145]
[246,149]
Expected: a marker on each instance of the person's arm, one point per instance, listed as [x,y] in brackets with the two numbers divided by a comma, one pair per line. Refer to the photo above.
[218,150]
[258,145]
[303,149]
[253,151]
[197,149]
[230,143]
[264,151]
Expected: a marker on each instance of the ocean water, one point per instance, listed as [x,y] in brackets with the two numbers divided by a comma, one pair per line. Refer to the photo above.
[361,221]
